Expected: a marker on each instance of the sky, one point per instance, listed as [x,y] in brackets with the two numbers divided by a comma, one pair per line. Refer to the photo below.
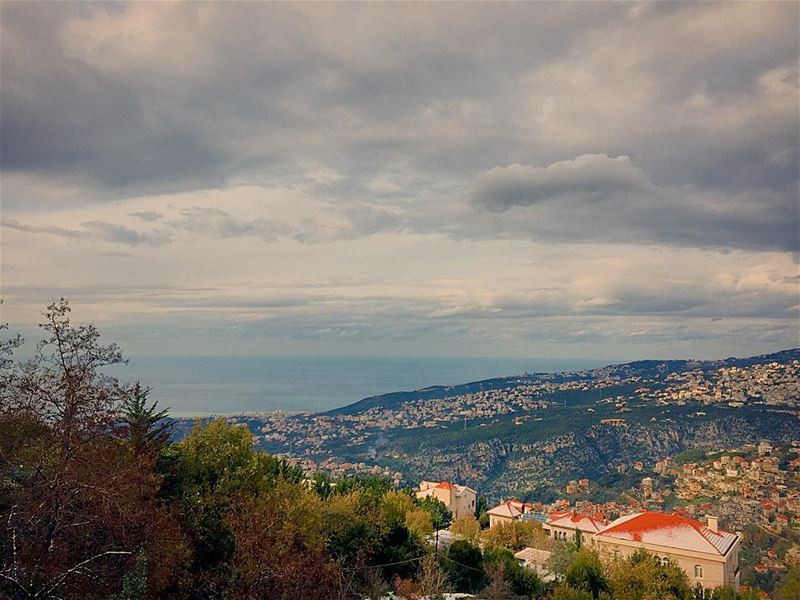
[588,180]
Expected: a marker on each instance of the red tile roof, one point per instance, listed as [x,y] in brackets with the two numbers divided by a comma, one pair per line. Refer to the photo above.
[670,531]
[573,520]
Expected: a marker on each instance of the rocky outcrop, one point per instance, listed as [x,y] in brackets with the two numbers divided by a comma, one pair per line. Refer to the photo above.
[514,468]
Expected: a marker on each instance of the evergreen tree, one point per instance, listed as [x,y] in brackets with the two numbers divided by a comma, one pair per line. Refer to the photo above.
[147,428]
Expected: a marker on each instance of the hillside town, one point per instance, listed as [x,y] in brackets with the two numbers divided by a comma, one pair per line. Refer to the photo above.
[317,435]
[772,384]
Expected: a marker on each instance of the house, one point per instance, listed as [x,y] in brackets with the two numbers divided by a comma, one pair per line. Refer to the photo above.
[538,561]
[510,510]
[565,526]
[459,499]
[708,555]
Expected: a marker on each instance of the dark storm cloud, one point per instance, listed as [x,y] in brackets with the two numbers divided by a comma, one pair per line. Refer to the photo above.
[597,198]
[697,102]
[590,175]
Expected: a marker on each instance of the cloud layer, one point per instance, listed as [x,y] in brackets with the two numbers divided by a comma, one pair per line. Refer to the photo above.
[428,157]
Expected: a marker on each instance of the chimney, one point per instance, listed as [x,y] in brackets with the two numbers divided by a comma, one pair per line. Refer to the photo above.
[713,523]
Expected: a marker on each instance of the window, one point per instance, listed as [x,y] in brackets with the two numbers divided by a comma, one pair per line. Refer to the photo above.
[698,571]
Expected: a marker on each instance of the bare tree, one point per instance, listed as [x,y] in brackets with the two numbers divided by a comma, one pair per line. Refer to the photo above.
[71,497]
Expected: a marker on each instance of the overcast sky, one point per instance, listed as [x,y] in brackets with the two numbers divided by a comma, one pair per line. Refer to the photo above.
[530,179]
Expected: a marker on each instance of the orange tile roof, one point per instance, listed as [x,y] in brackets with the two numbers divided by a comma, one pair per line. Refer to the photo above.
[670,531]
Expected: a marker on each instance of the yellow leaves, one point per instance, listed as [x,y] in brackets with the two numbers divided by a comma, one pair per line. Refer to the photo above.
[419,522]
[467,528]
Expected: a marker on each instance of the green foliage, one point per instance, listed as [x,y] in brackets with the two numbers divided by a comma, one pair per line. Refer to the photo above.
[146,427]
[566,592]
[481,508]
[514,535]
[440,515]
[464,567]
[213,518]
[790,590]
[642,576]
[467,528]
[322,484]
[586,573]
[521,580]
[721,593]
[561,557]
[374,487]
[216,464]
[134,584]
[218,459]
[693,455]
[350,532]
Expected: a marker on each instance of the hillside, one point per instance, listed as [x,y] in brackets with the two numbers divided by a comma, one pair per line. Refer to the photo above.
[534,432]
[640,368]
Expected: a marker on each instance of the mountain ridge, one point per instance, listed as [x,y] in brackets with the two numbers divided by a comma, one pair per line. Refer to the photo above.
[643,366]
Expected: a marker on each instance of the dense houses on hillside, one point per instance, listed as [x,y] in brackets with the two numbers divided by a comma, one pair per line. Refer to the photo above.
[528,398]
[773,383]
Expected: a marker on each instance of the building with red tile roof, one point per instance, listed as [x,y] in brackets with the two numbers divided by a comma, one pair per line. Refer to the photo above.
[459,499]
[565,526]
[708,555]
[503,513]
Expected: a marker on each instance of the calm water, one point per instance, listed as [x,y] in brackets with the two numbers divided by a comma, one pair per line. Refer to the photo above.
[203,385]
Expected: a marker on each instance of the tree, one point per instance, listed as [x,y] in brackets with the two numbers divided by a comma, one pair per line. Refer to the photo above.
[441,517]
[63,384]
[75,508]
[394,508]
[146,428]
[419,523]
[322,484]
[515,535]
[134,584]
[498,587]
[430,584]
[481,508]
[280,546]
[520,580]
[561,558]
[216,468]
[467,528]
[464,567]
[586,573]
[642,576]
[432,580]
[720,593]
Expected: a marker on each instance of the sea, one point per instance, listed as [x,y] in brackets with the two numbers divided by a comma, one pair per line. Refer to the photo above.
[198,386]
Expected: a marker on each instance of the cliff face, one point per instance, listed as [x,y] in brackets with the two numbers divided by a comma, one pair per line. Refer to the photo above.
[512,468]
